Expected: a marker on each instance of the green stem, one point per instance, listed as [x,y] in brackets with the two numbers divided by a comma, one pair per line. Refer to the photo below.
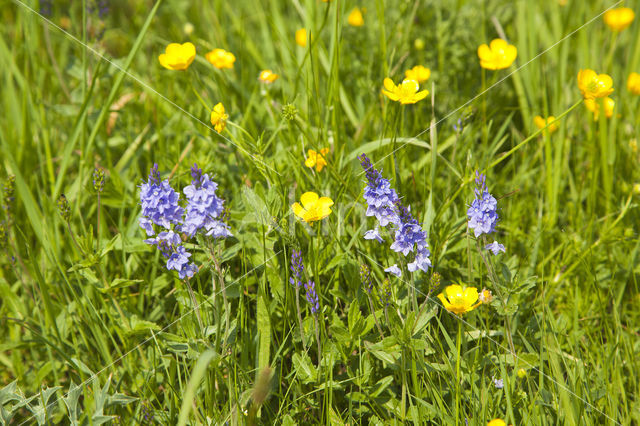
[458,345]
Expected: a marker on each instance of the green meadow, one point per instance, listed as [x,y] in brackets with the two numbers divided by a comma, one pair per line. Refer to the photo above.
[479,264]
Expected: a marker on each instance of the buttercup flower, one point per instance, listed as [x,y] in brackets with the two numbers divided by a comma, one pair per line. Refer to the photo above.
[541,123]
[498,55]
[593,85]
[405,93]
[496,422]
[316,159]
[313,207]
[633,83]
[594,106]
[178,56]
[418,73]
[459,300]
[301,37]
[618,19]
[355,18]
[219,117]
[220,58]
[267,76]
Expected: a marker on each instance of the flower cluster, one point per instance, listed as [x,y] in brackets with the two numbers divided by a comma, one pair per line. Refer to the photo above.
[161,209]
[482,214]
[297,267]
[312,296]
[383,203]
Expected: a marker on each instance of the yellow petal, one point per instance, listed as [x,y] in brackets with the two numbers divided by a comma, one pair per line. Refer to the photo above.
[189,49]
[445,302]
[173,49]
[454,290]
[498,44]
[421,95]
[510,54]
[470,295]
[309,199]
[310,162]
[298,210]
[484,52]
[391,95]
[324,202]
[164,61]
[389,85]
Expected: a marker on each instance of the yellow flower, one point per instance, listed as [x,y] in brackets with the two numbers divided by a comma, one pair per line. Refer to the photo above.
[220,58]
[459,300]
[619,19]
[522,373]
[405,92]
[178,56]
[301,37]
[594,106]
[633,83]
[316,159]
[594,85]
[496,422]
[355,18]
[267,76]
[541,123]
[313,208]
[219,117]
[498,55]
[418,73]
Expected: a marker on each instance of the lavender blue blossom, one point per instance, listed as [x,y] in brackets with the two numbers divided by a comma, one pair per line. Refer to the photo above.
[498,383]
[482,214]
[312,296]
[379,195]
[159,203]
[495,248]
[204,207]
[373,234]
[179,261]
[410,236]
[393,269]
[297,267]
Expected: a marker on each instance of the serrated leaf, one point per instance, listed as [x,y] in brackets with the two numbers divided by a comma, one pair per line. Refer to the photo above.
[356,324]
[305,370]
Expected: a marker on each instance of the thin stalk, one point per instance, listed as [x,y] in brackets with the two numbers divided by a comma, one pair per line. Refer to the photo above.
[373,312]
[458,345]
[299,316]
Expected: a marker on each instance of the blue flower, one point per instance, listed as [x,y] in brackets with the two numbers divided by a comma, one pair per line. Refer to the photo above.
[394,270]
[379,195]
[179,261]
[312,296]
[482,214]
[410,236]
[204,206]
[373,234]
[498,383]
[159,203]
[495,248]
[296,268]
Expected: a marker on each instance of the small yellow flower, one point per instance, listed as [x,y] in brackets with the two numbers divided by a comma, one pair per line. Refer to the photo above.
[633,83]
[485,296]
[313,208]
[594,106]
[188,28]
[619,19]
[594,85]
[418,73]
[316,159]
[301,37]
[522,373]
[178,56]
[459,300]
[497,422]
[220,58]
[541,123]
[268,76]
[355,18]
[405,92]
[219,117]
[498,55]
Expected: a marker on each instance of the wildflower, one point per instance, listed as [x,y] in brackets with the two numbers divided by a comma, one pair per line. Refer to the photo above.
[379,195]
[7,192]
[405,93]
[297,267]
[355,18]
[312,296]
[289,112]
[521,373]
[496,422]
[394,270]
[313,207]
[498,55]
[301,37]
[459,300]
[267,76]
[98,179]
[4,235]
[482,214]
[188,28]
[159,203]
[418,44]
[219,117]
[541,123]
[178,56]
[220,58]
[593,85]
[485,296]
[179,261]
[204,207]
[594,106]
[633,83]
[64,208]
[434,281]
[408,236]
[365,277]
[385,292]
[418,73]
[316,159]
[373,234]
[495,248]
[498,383]
[618,19]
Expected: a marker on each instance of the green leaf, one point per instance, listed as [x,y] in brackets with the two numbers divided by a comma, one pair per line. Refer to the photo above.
[305,370]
